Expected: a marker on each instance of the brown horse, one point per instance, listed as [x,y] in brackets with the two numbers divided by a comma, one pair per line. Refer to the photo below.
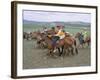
[69,43]
[87,40]
[41,40]
[34,34]
[40,37]
[66,43]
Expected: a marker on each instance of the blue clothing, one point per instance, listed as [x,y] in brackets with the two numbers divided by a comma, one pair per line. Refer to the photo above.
[54,40]
[81,39]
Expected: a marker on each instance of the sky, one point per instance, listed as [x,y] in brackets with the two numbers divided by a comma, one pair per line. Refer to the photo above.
[48,16]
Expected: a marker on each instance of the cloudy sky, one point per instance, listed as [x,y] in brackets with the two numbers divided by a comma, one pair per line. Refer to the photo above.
[47,16]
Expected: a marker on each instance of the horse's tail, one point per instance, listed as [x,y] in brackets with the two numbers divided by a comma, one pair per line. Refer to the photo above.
[76,50]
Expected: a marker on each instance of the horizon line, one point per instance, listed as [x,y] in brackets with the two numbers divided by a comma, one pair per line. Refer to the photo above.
[55,21]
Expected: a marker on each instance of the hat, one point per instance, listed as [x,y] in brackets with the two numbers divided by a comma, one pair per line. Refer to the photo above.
[59,26]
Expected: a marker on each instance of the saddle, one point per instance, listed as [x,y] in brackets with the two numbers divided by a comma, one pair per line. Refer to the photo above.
[60,40]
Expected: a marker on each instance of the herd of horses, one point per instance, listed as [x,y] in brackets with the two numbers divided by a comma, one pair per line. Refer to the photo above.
[67,44]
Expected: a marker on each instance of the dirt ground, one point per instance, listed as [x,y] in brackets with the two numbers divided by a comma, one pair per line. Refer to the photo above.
[34,57]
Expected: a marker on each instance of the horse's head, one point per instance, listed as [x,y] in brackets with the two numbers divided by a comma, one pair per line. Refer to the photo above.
[77,35]
[67,34]
[49,36]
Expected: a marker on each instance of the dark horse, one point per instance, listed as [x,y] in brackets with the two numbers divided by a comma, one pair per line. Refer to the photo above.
[26,36]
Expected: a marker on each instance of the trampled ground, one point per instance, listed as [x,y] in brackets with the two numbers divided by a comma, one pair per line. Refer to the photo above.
[34,57]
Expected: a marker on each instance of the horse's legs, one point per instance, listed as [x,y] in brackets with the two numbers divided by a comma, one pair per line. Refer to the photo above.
[76,50]
[51,52]
[58,49]
[67,51]
[61,51]
[72,50]
[88,43]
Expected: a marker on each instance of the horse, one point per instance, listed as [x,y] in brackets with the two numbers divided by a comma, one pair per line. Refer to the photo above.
[51,48]
[34,34]
[62,44]
[40,40]
[46,40]
[41,36]
[81,39]
[70,45]
[87,40]
[26,35]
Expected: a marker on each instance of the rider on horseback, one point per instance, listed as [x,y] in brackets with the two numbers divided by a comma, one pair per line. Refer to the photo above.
[60,34]
[44,30]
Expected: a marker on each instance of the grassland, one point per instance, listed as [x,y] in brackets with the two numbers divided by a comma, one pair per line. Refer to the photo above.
[34,57]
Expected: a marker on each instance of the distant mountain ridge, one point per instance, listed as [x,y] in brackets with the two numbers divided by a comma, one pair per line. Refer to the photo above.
[58,23]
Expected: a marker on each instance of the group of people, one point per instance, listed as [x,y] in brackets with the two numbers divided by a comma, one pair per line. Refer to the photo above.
[59,31]
[57,38]
[60,34]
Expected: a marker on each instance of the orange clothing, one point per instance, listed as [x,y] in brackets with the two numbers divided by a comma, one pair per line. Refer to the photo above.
[61,34]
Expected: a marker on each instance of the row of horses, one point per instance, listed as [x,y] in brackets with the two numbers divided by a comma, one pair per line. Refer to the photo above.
[44,40]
